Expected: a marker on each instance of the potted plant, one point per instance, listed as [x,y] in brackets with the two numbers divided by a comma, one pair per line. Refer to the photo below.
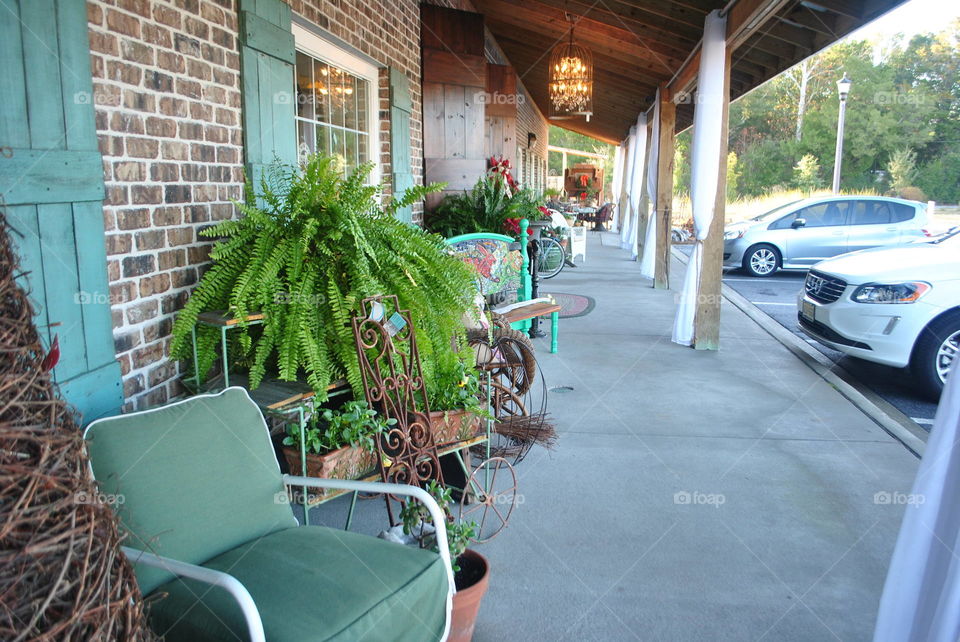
[339,444]
[456,410]
[304,253]
[471,571]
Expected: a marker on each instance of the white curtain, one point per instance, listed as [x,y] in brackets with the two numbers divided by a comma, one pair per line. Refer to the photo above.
[921,597]
[649,260]
[705,166]
[636,188]
[628,185]
[615,185]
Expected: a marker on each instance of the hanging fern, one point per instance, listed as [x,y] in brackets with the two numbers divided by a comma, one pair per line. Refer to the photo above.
[310,249]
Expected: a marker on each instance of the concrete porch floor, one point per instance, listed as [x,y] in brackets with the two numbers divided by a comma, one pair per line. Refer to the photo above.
[726,495]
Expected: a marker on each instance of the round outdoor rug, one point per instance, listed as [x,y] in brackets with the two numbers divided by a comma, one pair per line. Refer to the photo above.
[573,305]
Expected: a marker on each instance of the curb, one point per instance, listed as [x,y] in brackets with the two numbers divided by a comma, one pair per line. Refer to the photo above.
[890,419]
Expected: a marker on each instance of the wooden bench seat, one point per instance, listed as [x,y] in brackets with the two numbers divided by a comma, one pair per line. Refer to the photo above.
[538,309]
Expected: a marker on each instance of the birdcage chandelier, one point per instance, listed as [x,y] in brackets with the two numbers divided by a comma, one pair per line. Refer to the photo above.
[571,79]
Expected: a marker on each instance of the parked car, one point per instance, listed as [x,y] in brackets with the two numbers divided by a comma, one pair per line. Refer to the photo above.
[797,235]
[897,306]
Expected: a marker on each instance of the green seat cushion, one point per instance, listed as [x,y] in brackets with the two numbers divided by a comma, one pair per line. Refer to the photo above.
[193,479]
[312,583]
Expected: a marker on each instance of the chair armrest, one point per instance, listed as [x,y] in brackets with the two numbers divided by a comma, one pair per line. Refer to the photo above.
[208,576]
[439,519]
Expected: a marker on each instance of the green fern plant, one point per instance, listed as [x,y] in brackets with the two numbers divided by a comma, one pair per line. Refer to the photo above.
[305,253]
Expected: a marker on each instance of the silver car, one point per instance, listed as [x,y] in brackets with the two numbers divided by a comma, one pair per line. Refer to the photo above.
[799,234]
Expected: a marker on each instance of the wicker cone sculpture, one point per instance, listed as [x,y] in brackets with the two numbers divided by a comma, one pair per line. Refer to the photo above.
[62,575]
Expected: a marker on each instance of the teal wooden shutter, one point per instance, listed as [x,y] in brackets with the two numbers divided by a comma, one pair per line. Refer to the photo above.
[267,58]
[401,105]
[51,181]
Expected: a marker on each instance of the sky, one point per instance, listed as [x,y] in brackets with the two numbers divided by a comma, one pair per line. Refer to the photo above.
[911,18]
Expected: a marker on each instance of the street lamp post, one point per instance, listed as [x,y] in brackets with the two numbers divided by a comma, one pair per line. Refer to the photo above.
[843,87]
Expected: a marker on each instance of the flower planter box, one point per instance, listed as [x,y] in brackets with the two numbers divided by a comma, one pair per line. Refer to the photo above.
[449,426]
[348,462]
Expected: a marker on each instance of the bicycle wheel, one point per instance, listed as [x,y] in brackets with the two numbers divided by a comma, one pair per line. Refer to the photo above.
[550,258]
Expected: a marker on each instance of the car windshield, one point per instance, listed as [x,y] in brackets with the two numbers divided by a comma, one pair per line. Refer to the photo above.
[774,212]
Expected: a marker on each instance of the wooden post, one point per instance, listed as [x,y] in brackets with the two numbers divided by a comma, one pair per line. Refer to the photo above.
[664,211]
[706,323]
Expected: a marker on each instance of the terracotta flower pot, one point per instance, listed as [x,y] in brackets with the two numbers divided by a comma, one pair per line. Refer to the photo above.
[475,574]
[449,426]
[349,462]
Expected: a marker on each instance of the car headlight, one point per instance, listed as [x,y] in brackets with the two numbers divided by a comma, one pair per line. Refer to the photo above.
[890,292]
[729,235]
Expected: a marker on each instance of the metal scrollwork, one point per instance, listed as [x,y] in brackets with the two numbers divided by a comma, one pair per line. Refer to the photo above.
[393,385]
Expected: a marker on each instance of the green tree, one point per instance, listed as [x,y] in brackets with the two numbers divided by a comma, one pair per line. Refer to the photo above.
[807,173]
[902,169]
[733,176]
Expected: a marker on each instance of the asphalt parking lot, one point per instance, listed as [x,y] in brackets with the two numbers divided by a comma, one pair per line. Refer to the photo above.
[776,296]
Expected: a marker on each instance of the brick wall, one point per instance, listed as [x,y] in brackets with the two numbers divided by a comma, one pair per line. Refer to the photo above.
[167,93]
[166,90]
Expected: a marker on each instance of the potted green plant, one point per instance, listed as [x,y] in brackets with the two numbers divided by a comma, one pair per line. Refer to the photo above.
[339,444]
[471,571]
[488,207]
[305,252]
[456,409]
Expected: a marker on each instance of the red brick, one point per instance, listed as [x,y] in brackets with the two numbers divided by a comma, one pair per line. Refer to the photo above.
[167,15]
[142,147]
[149,354]
[146,194]
[179,236]
[129,171]
[170,259]
[118,244]
[137,219]
[164,216]
[161,127]
[150,240]
[124,72]
[154,284]
[122,23]
[164,172]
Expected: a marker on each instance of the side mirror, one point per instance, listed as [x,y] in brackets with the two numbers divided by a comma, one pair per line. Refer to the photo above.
[799,222]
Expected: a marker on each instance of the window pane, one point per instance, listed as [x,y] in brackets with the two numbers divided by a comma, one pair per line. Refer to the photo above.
[304,86]
[363,147]
[306,144]
[350,151]
[349,101]
[336,144]
[902,212]
[321,84]
[362,102]
[323,140]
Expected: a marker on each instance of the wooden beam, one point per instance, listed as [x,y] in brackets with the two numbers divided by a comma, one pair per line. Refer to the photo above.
[664,209]
[747,17]
[706,322]
[595,31]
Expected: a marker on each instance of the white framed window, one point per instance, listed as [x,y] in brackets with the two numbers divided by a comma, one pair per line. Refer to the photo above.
[337,96]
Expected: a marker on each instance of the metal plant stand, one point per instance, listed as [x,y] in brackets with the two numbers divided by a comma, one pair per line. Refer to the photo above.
[393,385]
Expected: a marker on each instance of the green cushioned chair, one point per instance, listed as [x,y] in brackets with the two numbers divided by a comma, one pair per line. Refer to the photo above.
[216,547]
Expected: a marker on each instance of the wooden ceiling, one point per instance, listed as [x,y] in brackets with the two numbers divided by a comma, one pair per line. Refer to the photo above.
[638,45]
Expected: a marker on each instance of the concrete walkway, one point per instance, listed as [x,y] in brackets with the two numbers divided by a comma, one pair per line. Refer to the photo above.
[730,495]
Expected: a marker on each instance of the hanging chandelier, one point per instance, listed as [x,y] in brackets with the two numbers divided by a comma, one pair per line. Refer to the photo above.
[571,80]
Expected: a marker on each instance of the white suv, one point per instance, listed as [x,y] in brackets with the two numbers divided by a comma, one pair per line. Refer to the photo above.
[897,306]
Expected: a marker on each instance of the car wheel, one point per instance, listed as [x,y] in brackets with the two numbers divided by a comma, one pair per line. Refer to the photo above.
[936,349]
[761,260]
